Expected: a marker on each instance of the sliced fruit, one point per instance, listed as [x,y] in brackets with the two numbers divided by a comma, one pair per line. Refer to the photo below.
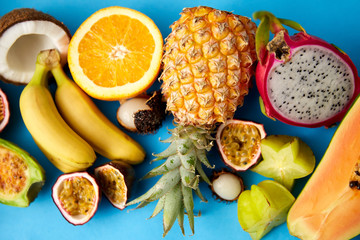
[226,185]
[77,197]
[24,32]
[4,110]
[239,143]
[21,176]
[263,207]
[142,114]
[109,60]
[115,179]
[328,206]
[285,158]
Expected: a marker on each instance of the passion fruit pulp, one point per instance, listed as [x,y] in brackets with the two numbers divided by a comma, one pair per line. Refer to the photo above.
[4,110]
[115,179]
[21,176]
[77,197]
[239,143]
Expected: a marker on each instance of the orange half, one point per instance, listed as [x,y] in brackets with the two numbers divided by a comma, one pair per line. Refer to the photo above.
[115,54]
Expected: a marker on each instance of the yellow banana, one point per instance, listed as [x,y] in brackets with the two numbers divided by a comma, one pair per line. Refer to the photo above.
[59,143]
[81,113]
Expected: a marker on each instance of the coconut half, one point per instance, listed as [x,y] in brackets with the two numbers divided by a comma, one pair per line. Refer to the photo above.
[24,32]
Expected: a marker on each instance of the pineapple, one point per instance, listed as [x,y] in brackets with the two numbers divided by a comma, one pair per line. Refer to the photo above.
[207,66]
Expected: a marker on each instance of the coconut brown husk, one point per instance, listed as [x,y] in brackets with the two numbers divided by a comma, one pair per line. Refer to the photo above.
[27,14]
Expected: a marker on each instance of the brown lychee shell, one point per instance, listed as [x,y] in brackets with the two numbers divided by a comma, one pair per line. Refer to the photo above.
[22,15]
[148,121]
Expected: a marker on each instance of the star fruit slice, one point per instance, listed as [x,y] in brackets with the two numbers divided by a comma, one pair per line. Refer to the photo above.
[263,207]
[285,158]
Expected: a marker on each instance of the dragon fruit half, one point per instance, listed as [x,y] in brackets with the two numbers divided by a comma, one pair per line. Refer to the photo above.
[302,80]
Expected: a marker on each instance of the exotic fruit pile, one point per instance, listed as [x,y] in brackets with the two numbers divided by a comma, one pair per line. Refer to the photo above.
[302,80]
[207,68]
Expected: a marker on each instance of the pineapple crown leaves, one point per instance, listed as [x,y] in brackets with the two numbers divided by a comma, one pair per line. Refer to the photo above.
[181,173]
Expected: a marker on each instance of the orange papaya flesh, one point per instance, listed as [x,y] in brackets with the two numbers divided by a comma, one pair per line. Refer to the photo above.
[328,206]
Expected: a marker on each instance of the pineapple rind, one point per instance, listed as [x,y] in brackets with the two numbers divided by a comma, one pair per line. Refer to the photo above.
[208,63]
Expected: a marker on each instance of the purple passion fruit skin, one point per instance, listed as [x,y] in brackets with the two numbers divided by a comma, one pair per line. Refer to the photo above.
[77,196]
[239,143]
[4,110]
[21,176]
[116,179]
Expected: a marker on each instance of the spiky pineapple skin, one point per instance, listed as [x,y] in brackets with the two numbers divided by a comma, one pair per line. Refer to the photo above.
[207,65]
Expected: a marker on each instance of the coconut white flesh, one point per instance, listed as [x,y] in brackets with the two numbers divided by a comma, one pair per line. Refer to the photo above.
[128,109]
[21,43]
[227,186]
[312,87]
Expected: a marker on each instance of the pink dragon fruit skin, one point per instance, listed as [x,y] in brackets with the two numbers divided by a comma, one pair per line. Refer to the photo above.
[269,62]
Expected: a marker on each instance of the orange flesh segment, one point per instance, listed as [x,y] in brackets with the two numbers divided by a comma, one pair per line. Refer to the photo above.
[328,201]
[114,41]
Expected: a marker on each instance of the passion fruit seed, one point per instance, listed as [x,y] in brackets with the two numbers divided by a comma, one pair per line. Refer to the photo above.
[226,185]
[241,142]
[4,110]
[115,179]
[13,173]
[113,185]
[77,196]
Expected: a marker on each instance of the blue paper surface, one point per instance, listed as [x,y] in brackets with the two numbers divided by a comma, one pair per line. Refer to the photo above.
[334,21]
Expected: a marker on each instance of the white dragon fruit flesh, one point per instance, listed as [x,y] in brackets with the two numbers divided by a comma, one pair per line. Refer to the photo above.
[302,80]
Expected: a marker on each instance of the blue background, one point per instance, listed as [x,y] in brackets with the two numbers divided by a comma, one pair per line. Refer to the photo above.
[334,21]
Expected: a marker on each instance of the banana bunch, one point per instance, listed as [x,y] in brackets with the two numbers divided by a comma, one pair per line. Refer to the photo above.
[69,132]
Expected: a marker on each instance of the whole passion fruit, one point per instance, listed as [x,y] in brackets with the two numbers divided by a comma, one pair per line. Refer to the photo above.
[115,179]
[21,176]
[4,110]
[239,143]
[77,196]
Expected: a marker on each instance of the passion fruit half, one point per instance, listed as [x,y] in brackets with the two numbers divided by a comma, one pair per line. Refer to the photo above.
[115,179]
[4,110]
[77,196]
[21,176]
[239,143]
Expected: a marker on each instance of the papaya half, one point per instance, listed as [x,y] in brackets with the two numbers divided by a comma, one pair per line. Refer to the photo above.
[329,205]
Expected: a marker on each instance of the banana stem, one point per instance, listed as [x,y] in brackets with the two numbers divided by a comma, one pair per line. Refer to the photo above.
[40,76]
[59,75]
[45,62]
